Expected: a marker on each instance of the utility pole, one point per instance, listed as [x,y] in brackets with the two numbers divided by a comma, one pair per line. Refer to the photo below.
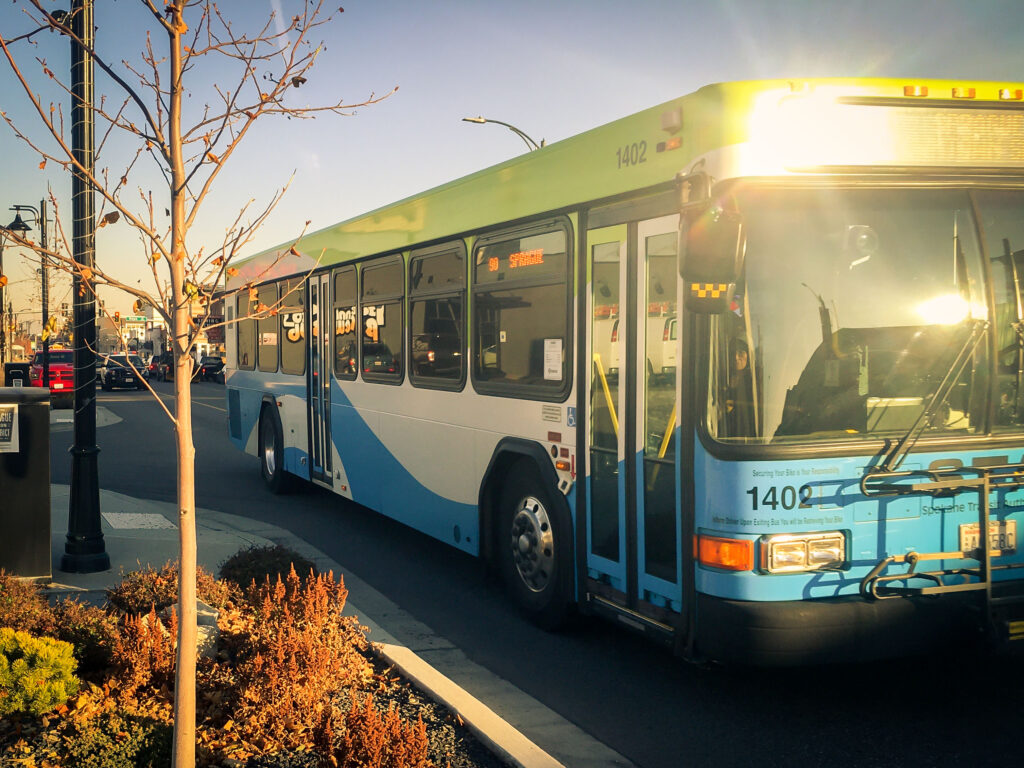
[84,550]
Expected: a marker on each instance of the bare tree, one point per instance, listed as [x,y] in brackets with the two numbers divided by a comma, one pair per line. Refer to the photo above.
[144,109]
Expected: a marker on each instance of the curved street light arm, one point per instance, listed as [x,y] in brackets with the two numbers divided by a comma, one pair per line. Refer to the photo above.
[530,143]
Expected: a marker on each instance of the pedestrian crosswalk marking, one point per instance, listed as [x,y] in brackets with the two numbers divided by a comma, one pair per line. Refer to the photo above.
[137,520]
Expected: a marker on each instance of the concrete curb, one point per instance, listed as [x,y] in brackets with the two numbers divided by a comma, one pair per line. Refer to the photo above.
[502,739]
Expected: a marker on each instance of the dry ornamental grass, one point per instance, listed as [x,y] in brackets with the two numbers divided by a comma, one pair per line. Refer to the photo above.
[294,683]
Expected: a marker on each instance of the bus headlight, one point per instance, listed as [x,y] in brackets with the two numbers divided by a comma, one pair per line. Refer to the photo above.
[793,552]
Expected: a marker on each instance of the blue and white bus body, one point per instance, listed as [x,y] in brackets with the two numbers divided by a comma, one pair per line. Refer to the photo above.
[672,520]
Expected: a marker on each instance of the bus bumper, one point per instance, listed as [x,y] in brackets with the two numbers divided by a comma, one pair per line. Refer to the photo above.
[833,630]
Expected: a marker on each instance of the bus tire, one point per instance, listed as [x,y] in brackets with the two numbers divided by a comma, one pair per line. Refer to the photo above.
[271,452]
[534,547]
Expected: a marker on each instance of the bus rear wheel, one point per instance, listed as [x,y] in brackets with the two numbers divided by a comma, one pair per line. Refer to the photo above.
[271,452]
[534,551]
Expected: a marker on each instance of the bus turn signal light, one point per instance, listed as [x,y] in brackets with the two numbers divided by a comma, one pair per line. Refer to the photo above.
[730,554]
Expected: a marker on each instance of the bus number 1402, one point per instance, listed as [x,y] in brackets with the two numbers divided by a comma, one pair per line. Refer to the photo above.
[631,154]
[786,497]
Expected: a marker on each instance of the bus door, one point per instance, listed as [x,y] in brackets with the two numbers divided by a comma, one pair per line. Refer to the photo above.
[319,377]
[633,524]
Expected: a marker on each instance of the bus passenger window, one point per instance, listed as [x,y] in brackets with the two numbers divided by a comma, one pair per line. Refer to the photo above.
[293,328]
[266,328]
[245,330]
[382,320]
[436,338]
[521,313]
[346,354]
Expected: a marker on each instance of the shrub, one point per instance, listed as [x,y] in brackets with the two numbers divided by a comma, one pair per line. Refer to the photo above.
[257,564]
[90,630]
[148,588]
[36,674]
[143,653]
[114,740]
[385,740]
[22,606]
[297,633]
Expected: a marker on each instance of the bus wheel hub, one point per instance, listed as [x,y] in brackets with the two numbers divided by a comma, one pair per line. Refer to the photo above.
[533,544]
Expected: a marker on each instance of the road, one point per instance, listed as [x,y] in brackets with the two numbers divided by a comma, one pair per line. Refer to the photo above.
[655,710]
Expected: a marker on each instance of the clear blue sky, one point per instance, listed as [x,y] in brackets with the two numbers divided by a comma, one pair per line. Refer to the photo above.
[554,68]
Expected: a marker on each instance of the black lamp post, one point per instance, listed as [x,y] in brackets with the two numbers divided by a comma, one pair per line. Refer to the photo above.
[3,328]
[84,549]
[530,143]
[19,226]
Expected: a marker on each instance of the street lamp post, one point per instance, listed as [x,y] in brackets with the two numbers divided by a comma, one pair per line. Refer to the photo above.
[84,549]
[19,226]
[3,285]
[530,143]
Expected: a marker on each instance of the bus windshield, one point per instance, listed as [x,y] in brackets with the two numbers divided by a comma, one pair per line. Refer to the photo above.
[854,306]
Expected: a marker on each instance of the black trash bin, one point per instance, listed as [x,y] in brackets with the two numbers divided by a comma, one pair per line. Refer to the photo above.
[25,482]
[16,374]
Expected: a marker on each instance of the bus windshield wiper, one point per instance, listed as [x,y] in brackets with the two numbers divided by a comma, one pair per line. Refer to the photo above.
[894,458]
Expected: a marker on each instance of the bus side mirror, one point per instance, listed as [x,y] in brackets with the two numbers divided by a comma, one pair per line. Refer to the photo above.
[713,246]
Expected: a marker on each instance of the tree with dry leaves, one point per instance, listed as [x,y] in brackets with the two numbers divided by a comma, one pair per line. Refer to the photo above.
[145,113]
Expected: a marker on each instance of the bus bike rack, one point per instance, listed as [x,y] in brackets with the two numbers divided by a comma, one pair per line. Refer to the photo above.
[939,483]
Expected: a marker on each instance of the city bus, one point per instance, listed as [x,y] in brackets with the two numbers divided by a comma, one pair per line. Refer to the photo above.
[743,371]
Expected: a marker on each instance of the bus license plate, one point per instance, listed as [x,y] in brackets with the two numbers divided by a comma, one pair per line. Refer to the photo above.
[1002,536]
[56,385]
[128,380]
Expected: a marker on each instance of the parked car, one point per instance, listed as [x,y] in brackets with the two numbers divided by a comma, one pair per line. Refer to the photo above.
[378,358]
[122,371]
[661,346]
[62,375]
[211,369]
[162,367]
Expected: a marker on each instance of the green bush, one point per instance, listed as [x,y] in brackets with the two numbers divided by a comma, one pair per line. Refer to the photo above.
[140,591]
[259,563]
[36,674]
[113,740]
[90,630]
[23,607]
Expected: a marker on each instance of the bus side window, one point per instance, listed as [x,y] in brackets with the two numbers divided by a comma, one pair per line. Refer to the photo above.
[521,298]
[437,289]
[245,333]
[382,319]
[293,327]
[266,328]
[346,355]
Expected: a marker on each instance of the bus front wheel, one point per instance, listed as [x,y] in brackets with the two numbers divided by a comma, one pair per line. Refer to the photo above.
[271,450]
[534,551]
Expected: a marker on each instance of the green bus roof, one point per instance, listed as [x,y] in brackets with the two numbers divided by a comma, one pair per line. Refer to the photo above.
[633,153]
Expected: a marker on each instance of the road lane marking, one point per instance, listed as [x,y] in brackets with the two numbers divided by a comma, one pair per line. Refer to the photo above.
[169,398]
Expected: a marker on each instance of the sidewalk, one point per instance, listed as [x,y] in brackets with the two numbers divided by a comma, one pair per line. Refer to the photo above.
[138,533]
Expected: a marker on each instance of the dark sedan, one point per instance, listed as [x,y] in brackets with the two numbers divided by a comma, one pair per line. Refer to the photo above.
[123,371]
[211,369]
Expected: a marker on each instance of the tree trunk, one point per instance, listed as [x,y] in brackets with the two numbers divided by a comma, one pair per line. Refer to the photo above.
[184,755]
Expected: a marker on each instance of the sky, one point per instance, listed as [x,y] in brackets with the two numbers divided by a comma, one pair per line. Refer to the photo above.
[553,68]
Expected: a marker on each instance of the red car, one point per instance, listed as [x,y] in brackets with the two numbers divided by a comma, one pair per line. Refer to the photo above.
[62,375]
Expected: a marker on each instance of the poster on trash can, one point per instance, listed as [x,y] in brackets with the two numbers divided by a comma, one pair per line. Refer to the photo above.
[9,428]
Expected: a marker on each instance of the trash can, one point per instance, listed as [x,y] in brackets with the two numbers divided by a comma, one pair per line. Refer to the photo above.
[25,482]
[16,374]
